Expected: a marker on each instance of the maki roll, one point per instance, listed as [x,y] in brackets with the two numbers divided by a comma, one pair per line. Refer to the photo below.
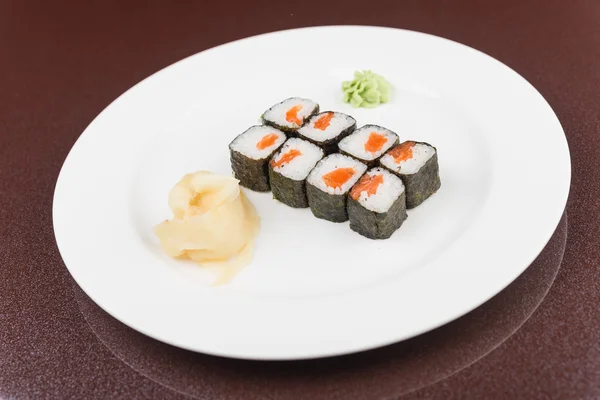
[368,143]
[250,153]
[328,184]
[327,129]
[290,114]
[417,165]
[289,168]
[377,204]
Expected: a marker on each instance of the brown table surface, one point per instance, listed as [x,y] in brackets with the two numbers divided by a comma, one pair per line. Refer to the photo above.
[63,62]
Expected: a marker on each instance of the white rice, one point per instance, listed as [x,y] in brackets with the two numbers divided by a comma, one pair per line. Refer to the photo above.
[246,142]
[354,144]
[421,154]
[387,192]
[331,163]
[299,167]
[338,123]
[276,114]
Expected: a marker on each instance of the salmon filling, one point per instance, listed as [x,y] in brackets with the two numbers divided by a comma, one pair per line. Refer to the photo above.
[375,142]
[267,141]
[323,122]
[338,177]
[286,158]
[292,115]
[368,183]
[403,152]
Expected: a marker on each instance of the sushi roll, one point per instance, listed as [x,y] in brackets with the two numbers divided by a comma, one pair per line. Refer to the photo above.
[326,129]
[290,114]
[416,164]
[377,204]
[368,143]
[328,184]
[250,153]
[289,168]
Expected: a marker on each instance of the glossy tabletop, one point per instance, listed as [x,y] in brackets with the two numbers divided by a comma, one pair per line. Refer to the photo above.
[63,62]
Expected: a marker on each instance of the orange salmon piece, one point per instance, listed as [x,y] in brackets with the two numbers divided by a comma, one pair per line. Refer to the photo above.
[292,115]
[403,152]
[338,177]
[323,122]
[286,158]
[375,142]
[368,183]
[267,141]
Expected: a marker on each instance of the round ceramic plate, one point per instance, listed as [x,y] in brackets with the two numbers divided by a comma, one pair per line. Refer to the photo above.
[314,288]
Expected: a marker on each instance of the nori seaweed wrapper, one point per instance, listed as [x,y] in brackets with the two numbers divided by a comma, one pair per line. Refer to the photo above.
[331,207]
[292,132]
[422,184]
[251,173]
[288,191]
[374,225]
[331,146]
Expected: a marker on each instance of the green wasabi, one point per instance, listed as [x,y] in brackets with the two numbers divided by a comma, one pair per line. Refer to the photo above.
[366,90]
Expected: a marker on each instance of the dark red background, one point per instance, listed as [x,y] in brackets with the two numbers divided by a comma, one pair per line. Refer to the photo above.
[61,63]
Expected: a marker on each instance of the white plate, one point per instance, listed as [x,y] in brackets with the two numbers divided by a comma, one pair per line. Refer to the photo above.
[314,288]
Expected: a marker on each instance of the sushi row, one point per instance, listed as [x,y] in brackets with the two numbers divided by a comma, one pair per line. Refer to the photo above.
[321,160]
